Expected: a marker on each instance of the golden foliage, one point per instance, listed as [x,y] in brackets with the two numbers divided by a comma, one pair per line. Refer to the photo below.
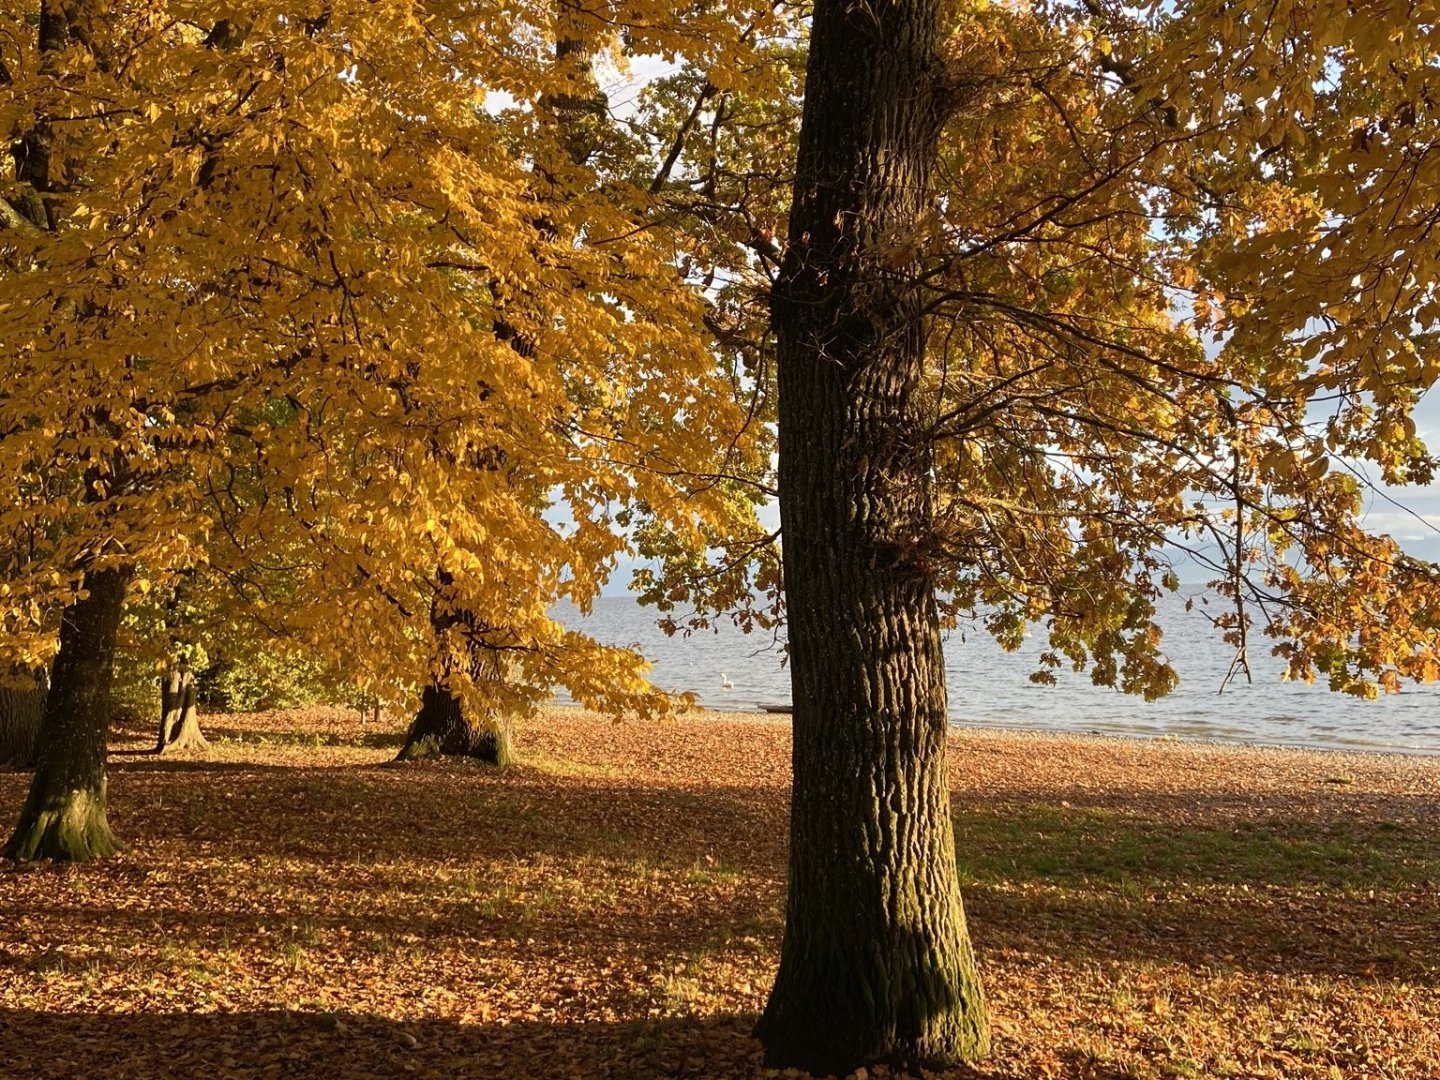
[335,303]
[248,321]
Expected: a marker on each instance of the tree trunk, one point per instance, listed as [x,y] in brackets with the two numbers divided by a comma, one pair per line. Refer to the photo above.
[440,728]
[21,711]
[876,964]
[64,814]
[179,721]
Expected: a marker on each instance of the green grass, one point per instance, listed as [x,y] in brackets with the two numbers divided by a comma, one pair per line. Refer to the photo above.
[1086,845]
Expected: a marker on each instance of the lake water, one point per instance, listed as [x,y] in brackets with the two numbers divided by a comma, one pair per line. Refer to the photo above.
[989,688]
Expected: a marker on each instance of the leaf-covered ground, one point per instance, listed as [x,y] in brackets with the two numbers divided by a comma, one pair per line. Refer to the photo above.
[291,905]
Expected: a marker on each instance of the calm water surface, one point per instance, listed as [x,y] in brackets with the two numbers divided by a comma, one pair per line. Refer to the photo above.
[989,688]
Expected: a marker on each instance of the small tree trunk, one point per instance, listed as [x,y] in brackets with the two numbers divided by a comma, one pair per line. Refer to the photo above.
[179,721]
[21,711]
[64,814]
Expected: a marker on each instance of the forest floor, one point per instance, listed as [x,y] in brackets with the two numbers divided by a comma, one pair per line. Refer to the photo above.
[292,905]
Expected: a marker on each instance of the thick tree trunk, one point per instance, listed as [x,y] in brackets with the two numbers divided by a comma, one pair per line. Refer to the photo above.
[440,728]
[21,710]
[179,721]
[64,814]
[876,964]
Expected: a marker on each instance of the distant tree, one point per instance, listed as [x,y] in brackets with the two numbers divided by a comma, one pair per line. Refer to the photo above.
[21,709]
[468,651]
[179,694]
[179,718]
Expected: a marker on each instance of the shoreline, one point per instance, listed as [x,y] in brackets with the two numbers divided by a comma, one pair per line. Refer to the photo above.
[971,726]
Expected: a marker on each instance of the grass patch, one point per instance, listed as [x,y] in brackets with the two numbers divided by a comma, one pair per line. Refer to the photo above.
[1079,845]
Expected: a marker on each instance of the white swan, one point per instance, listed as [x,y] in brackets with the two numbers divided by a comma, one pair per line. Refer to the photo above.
[725,683]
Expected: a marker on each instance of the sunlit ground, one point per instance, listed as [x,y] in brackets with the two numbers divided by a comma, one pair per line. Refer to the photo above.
[293,905]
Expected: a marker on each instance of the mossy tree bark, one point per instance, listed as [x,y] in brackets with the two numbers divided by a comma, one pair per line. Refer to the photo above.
[64,814]
[21,710]
[179,719]
[876,963]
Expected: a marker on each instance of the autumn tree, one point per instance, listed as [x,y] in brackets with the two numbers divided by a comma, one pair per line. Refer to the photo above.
[65,809]
[987,393]
[443,724]
[721,146]
[328,226]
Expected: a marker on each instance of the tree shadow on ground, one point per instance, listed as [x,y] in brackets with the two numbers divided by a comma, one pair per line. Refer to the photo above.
[1350,896]
[383,739]
[1275,845]
[317,1045]
[334,1046]
[1265,935]
[148,761]
[1333,795]
[1281,892]
[343,814]
[500,924]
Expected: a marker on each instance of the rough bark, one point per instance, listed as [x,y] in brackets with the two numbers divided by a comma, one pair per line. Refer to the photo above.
[21,710]
[64,813]
[179,720]
[876,964]
[441,728]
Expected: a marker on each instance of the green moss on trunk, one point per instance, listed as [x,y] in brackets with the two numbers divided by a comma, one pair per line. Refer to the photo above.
[492,745]
[67,826]
[64,813]
[419,747]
